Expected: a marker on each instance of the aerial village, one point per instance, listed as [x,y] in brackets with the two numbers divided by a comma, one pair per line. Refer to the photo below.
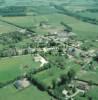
[60,49]
[48,50]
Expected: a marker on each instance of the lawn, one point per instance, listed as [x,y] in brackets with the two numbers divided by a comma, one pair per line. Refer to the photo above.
[12,67]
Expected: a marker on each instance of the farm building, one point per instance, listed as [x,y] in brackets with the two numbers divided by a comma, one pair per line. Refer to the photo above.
[64,92]
[82,86]
[39,58]
[20,84]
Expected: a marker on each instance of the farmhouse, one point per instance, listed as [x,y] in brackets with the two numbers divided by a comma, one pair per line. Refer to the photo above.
[39,58]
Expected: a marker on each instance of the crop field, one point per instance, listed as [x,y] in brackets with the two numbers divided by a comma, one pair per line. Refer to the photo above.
[12,67]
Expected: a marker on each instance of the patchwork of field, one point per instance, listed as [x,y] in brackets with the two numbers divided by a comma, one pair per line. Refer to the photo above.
[33,2]
[45,19]
[82,29]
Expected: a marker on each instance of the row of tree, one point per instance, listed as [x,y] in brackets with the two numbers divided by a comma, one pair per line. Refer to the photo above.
[67,27]
[13,11]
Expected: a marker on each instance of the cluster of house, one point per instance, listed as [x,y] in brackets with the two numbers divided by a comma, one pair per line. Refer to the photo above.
[69,47]
[81,87]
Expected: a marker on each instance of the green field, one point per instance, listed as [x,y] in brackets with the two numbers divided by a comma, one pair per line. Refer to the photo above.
[89,14]
[43,18]
[5,28]
[89,76]
[55,72]
[12,67]
[83,29]
[31,93]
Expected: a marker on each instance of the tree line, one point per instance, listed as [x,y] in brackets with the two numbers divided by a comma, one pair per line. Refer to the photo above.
[13,11]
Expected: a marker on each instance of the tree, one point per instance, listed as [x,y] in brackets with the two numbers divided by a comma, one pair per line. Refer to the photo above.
[64,79]
[52,43]
[90,83]
[90,98]
[84,94]
[60,50]
[53,84]
[25,52]
[96,57]
[71,74]
[74,89]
